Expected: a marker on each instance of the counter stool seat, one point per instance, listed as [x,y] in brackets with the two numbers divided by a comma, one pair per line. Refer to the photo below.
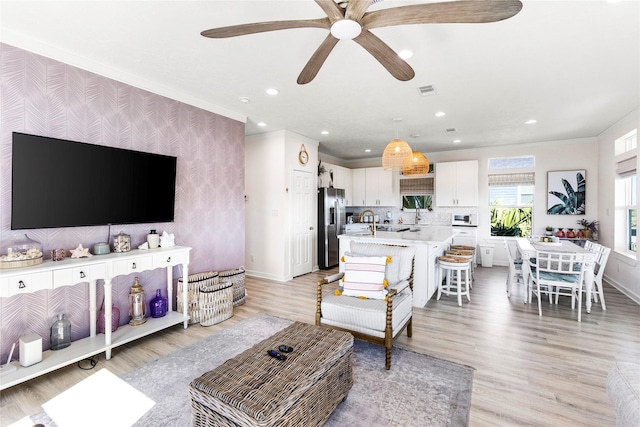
[454,276]
[464,253]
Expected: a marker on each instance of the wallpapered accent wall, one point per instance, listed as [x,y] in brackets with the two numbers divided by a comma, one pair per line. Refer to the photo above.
[45,97]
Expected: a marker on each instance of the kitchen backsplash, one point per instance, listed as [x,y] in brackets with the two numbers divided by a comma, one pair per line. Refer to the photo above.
[438,216]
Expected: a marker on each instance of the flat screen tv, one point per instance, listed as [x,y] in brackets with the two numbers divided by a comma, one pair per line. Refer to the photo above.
[60,183]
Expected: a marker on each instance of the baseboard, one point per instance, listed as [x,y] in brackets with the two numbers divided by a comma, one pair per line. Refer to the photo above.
[619,286]
[273,277]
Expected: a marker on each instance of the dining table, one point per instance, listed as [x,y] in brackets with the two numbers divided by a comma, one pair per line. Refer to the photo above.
[528,247]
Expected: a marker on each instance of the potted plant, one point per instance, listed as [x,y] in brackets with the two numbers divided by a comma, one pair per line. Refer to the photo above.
[570,233]
[589,228]
[549,231]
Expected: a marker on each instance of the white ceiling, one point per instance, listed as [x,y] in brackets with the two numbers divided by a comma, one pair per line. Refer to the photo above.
[572,65]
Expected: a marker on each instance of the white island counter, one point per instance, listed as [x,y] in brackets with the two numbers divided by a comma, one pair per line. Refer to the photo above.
[430,242]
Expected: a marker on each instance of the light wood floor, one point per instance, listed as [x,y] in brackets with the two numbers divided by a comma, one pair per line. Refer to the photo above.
[530,371]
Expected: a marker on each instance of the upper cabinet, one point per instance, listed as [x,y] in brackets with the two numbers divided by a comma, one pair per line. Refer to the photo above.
[373,187]
[341,179]
[457,183]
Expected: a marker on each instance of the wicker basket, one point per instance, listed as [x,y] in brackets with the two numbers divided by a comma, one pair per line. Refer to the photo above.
[236,278]
[216,302]
[196,281]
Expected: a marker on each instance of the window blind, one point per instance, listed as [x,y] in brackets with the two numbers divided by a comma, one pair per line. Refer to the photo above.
[627,167]
[416,186]
[512,179]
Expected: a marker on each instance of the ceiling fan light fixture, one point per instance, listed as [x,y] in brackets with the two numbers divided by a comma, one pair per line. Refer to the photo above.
[395,154]
[345,29]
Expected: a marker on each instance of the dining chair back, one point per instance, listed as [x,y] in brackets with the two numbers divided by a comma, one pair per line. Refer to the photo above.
[515,268]
[602,255]
[557,273]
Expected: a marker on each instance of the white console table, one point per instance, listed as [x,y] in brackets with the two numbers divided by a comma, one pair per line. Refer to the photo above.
[52,275]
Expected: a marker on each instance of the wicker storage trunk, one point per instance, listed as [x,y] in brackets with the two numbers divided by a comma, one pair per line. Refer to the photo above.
[236,278]
[216,302]
[196,281]
[254,389]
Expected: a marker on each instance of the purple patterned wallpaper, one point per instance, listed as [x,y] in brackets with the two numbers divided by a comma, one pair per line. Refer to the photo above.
[45,97]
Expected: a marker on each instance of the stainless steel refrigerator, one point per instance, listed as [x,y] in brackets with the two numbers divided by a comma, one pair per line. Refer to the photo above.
[331,219]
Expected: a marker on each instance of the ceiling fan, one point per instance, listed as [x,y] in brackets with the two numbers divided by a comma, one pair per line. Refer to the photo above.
[350,20]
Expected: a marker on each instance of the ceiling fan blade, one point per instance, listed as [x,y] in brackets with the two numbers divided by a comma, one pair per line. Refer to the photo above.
[262,27]
[317,59]
[356,9]
[390,60]
[331,8]
[463,11]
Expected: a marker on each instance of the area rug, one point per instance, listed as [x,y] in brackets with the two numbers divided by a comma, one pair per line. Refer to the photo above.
[418,390]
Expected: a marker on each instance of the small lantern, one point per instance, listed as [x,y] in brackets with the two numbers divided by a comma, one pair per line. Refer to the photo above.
[137,304]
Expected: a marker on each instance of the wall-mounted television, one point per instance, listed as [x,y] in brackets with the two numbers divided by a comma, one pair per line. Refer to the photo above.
[61,183]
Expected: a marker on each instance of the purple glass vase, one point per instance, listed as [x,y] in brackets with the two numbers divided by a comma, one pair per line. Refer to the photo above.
[115,319]
[158,305]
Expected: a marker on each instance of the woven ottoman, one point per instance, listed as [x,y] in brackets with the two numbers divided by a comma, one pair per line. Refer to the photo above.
[255,389]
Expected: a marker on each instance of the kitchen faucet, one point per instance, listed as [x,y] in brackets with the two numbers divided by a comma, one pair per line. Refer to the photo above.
[417,215]
[373,216]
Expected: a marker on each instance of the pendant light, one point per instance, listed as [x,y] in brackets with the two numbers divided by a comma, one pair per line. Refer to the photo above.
[395,153]
[415,165]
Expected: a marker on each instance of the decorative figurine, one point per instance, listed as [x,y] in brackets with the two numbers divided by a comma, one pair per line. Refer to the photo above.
[137,304]
[167,240]
[80,252]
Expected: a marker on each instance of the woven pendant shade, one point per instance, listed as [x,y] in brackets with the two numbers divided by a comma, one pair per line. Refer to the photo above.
[415,165]
[395,154]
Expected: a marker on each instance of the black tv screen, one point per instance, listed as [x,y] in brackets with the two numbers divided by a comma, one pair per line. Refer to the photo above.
[60,183]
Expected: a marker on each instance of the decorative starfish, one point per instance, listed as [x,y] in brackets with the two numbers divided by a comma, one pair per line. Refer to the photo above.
[80,252]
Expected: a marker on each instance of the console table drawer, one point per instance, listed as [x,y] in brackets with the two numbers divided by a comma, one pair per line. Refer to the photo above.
[71,276]
[125,267]
[167,260]
[25,283]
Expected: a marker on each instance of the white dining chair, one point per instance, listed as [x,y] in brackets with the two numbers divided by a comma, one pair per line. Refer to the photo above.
[602,255]
[559,274]
[515,269]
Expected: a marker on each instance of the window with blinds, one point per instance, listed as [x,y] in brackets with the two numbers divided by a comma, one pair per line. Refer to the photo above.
[511,197]
[416,186]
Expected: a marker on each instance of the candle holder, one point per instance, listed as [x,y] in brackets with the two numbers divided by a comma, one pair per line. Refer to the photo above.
[137,304]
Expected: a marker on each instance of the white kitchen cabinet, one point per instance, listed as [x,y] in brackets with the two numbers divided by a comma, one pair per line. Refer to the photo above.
[373,187]
[359,185]
[341,179]
[457,183]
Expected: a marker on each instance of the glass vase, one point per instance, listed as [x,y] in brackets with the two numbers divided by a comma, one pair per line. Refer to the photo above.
[158,305]
[60,333]
[115,319]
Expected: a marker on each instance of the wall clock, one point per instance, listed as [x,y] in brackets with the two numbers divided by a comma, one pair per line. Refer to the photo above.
[303,156]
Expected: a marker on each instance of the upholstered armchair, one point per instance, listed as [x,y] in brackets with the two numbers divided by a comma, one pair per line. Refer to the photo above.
[376,314]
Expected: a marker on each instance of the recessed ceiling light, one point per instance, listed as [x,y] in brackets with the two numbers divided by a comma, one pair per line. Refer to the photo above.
[405,54]
[367,150]
[244,100]
[325,132]
[532,121]
[440,114]
[457,141]
[262,124]
[272,91]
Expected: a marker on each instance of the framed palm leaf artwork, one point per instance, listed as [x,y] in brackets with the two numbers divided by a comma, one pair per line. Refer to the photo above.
[566,192]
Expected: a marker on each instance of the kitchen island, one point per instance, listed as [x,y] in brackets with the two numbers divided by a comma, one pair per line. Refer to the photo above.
[430,243]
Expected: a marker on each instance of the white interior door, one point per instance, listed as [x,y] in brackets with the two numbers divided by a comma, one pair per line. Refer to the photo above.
[303,221]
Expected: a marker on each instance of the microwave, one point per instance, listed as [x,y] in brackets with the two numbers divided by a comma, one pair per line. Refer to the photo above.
[469,220]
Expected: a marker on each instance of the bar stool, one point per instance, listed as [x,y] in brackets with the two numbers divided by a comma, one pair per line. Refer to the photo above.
[468,254]
[465,248]
[458,285]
